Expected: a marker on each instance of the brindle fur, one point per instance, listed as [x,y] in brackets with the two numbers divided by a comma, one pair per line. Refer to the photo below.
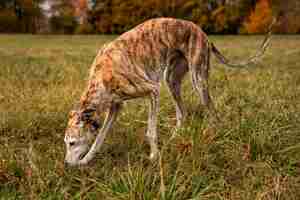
[133,66]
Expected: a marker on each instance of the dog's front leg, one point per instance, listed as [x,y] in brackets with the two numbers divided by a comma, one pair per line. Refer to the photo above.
[108,122]
[152,124]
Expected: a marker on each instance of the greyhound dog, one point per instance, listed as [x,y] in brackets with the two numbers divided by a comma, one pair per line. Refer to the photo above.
[132,66]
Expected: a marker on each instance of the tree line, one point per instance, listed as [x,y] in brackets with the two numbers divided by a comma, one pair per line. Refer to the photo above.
[117,16]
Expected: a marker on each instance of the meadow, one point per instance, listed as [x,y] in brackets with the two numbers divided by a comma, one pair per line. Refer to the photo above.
[252,154]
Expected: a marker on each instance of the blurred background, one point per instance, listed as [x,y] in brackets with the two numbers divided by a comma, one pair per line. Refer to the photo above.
[117,16]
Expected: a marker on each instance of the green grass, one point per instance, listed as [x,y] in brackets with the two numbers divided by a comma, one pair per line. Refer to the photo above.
[252,154]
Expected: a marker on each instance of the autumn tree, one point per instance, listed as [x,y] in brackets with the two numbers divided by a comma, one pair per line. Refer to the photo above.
[63,19]
[235,11]
[20,15]
[29,13]
[118,16]
[288,16]
[259,18]
[8,18]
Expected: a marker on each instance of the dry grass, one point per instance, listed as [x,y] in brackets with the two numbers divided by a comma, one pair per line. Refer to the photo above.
[252,154]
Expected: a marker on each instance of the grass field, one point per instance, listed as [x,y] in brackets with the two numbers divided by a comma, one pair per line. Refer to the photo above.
[254,153]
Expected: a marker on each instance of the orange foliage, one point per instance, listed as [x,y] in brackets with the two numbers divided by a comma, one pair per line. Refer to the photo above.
[220,18]
[80,7]
[82,4]
[259,18]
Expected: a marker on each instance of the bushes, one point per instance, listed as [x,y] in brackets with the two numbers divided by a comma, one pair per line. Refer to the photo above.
[221,16]
[8,21]
[85,28]
[117,16]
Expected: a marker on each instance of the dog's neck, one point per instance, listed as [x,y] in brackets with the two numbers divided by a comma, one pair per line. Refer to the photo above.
[96,97]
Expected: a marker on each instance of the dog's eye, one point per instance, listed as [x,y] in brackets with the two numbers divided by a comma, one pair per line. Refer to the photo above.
[95,125]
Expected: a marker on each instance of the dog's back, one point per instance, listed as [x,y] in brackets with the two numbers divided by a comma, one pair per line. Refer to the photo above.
[154,39]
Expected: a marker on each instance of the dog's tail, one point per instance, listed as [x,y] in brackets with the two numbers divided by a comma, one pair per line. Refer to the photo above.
[252,60]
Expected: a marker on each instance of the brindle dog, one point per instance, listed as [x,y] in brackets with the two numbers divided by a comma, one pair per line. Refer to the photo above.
[132,66]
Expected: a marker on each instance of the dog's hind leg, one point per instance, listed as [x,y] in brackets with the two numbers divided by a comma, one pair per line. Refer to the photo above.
[173,76]
[200,74]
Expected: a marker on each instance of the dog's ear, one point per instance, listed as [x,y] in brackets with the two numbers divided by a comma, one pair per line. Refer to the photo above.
[87,114]
[72,113]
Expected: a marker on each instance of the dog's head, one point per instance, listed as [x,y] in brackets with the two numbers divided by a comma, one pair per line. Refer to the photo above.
[81,128]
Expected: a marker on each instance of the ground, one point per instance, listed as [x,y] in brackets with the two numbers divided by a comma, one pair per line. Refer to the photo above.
[252,154]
